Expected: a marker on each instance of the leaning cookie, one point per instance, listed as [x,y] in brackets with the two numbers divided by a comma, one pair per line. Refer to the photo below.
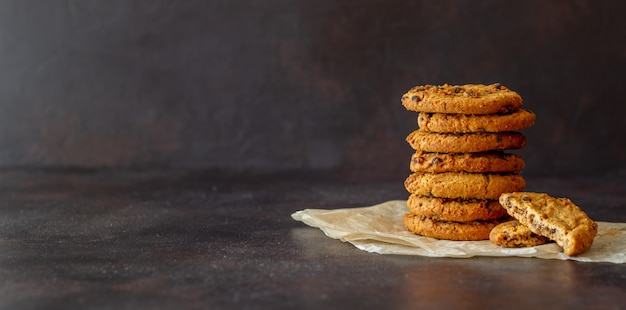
[421,140]
[457,210]
[513,234]
[447,230]
[460,123]
[496,161]
[463,185]
[462,99]
[556,218]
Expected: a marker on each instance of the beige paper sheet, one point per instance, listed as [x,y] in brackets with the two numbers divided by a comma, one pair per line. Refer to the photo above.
[379,229]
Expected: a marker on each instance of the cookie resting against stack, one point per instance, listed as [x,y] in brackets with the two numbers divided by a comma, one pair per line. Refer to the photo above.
[542,218]
[460,166]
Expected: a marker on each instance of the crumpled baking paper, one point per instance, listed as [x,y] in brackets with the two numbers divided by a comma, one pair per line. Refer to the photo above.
[379,229]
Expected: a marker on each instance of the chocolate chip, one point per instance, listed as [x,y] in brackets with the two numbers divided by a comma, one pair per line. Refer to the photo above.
[415,98]
[507,109]
[435,161]
[457,90]
[497,85]
[418,160]
[526,198]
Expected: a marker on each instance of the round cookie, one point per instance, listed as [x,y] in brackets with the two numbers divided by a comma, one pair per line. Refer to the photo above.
[447,230]
[422,140]
[462,99]
[458,210]
[513,234]
[469,162]
[461,123]
[463,184]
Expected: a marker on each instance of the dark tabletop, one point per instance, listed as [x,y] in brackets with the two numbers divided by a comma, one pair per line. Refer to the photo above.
[202,239]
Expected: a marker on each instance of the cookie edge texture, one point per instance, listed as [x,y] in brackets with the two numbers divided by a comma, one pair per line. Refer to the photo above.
[448,230]
[458,210]
[481,162]
[465,123]
[463,184]
[421,140]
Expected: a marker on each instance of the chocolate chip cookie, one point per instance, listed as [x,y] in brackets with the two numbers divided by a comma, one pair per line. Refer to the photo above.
[449,230]
[495,161]
[556,218]
[462,99]
[462,123]
[463,184]
[458,210]
[513,234]
[427,141]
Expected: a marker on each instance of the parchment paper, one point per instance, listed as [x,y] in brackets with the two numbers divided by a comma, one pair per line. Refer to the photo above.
[379,229]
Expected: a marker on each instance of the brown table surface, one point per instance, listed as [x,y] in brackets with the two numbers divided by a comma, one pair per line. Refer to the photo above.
[181,239]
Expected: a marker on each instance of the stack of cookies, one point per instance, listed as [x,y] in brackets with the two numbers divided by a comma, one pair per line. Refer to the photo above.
[461,165]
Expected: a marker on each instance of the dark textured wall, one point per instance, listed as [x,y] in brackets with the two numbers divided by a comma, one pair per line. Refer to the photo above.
[281,85]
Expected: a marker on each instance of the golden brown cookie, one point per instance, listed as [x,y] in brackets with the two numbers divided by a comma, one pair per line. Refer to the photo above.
[556,218]
[462,99]
[427,141]
[461,123]
[464,185]
[513,234]
[469,162]
[458,210]
[447,230]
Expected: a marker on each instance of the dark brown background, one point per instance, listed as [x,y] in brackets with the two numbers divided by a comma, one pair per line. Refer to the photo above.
[298,85]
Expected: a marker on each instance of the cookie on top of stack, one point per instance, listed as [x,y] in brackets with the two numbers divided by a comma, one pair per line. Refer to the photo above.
[460,166]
